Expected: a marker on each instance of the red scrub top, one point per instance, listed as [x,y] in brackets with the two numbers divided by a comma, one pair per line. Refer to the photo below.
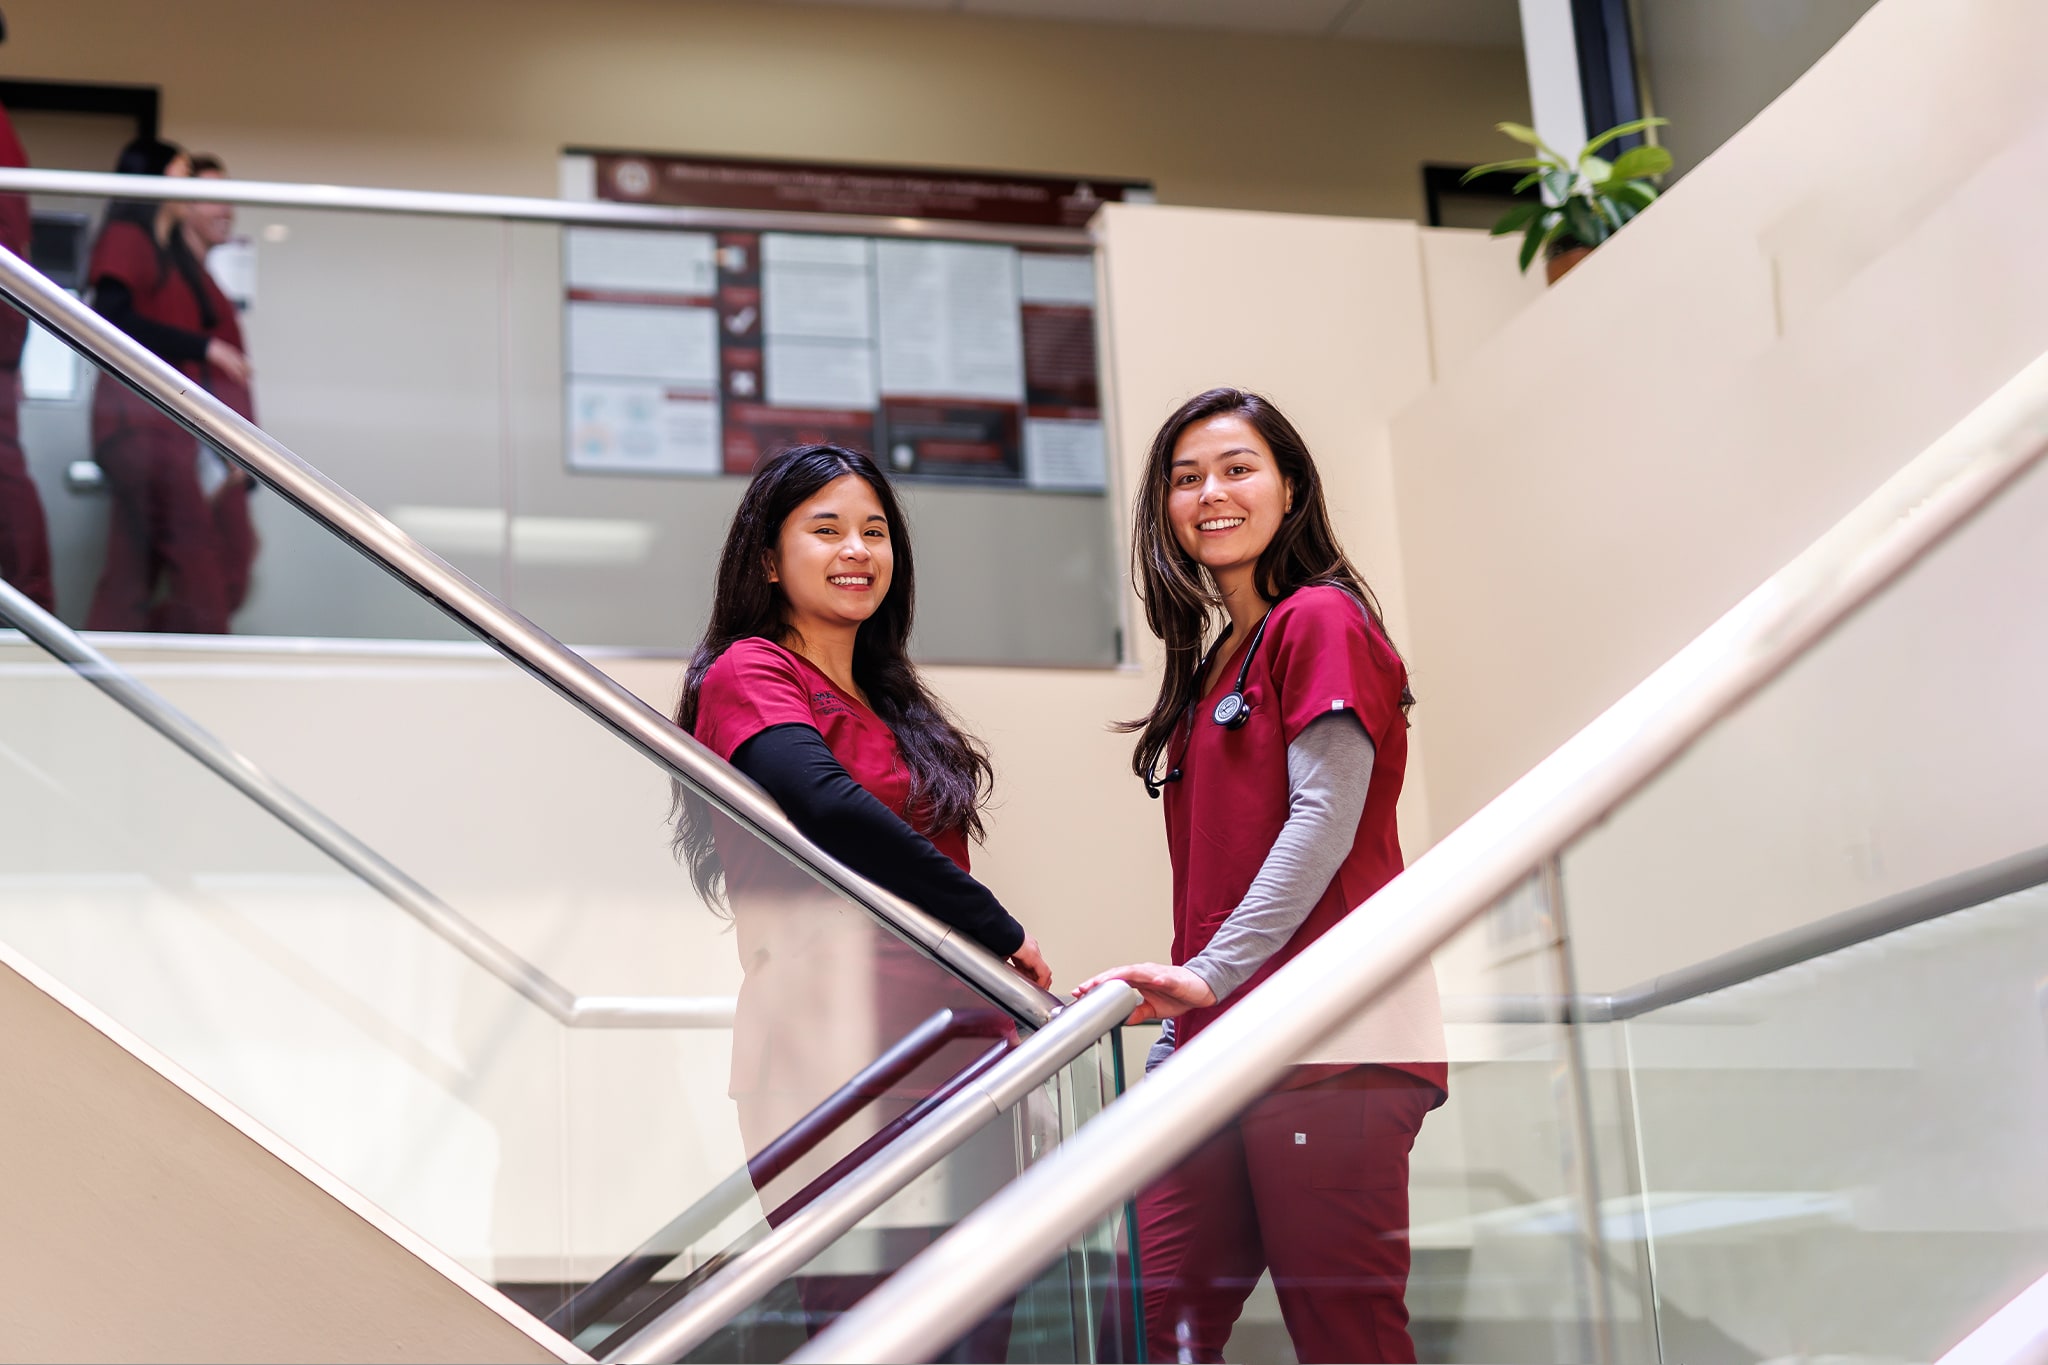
[826,988]
[1319,654]
[127,252]
[757,684]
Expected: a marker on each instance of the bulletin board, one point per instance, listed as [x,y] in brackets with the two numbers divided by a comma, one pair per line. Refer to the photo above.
[701,352]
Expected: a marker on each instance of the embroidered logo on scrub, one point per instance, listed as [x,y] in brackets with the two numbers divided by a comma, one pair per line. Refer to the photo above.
[826,704]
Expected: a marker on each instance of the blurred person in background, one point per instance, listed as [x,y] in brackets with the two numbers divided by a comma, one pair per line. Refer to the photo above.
[206,226]
[24,536]
[166,569]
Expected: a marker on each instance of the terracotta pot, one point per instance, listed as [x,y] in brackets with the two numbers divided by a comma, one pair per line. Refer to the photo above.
[1557,266]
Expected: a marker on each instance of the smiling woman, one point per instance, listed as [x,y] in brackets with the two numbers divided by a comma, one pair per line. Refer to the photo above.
[803,683]
[1279,801]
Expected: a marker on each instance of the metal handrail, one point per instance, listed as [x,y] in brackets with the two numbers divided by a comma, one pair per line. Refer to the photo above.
[522,208]
[930,1301]
[808,1231]
[680,1233]
[1794,947]
[324,833]
[831,1176]
[592,691]
[2016,1334]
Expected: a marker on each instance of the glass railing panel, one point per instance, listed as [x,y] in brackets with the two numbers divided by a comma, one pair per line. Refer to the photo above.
[532,826]
[1835,1135]
[432,366]
[1079,1308]
[257,964]
[1500,1264]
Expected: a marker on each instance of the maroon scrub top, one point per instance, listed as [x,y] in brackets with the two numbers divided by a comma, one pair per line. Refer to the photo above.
[1319,654]
[757,684]
[825,990]
[126,252]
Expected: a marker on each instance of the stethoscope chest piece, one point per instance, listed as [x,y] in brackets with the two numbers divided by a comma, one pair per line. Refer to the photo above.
[1233,711]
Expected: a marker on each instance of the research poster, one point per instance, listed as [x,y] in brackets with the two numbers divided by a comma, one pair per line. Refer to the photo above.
[702,352]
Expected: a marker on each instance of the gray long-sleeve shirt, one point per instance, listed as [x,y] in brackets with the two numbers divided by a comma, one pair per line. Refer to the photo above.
[1329,767]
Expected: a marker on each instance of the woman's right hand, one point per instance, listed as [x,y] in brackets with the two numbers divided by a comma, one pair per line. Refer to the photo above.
[1029,963]
[1167,992]
[228,360]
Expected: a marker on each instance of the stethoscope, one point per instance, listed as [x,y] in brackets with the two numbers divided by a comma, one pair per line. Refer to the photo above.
[1231,712]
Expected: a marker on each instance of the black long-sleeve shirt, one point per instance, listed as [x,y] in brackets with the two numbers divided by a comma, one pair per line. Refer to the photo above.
[793,764]
[115,302]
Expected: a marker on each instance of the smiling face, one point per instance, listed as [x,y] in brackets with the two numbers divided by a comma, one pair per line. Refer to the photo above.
[1225,497]
[213,224]
[833,559]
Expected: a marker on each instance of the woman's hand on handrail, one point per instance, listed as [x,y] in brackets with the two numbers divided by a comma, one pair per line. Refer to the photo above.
[1168,991]
[1029,963]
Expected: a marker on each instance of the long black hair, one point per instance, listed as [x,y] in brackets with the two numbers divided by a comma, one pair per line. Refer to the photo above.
[1181,598]
[950,773]
[142,156]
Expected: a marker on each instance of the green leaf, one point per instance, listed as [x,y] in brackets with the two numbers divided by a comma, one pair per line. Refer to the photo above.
[1616,213]
[1520,133]
[1584,222]
[1622,130]
[1526,181]
[1539,235]
[1516,218]
[1637,194]
[1637,162]
[1557,185]
[1525,163]
[1595,169]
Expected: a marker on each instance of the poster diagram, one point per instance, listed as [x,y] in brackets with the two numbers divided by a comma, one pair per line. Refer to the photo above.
[640,352]
[700,352]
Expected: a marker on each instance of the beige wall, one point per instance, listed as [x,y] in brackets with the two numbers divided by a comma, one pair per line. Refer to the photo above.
[483,94]
[142,1224]
[1624,459]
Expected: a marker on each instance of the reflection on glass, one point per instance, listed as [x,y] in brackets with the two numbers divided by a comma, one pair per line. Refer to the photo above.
[424,365]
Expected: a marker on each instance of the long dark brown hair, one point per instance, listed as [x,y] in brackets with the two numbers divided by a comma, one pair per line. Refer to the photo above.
[1182,600]
[950,773]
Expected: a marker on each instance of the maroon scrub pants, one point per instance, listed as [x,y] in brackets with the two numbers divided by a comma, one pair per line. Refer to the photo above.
[24,535]
[1311,1183]
[166,567]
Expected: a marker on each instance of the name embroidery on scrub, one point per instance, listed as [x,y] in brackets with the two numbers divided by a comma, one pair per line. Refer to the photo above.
[826,704]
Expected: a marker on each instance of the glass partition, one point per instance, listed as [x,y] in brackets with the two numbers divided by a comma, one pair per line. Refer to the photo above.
[1820,939]
[1079,1309]
[489,1118]
[1500,1182]
[434,367]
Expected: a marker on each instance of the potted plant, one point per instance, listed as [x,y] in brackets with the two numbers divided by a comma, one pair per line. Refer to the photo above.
[1584,201]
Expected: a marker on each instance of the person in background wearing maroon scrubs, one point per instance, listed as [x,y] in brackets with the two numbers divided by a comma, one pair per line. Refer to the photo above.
[24,535]
[165,570]
[1284,747]
[803,682]
[206,225]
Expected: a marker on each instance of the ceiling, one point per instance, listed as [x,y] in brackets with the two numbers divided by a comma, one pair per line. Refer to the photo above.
[1472,23]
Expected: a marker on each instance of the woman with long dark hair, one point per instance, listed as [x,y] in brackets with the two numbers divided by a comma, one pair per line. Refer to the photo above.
[1279,741]
[803,681]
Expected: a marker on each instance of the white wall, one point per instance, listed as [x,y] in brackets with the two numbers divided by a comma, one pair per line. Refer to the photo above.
[1627,457]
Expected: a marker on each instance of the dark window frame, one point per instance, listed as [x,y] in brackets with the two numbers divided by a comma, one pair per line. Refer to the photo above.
[143,103]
